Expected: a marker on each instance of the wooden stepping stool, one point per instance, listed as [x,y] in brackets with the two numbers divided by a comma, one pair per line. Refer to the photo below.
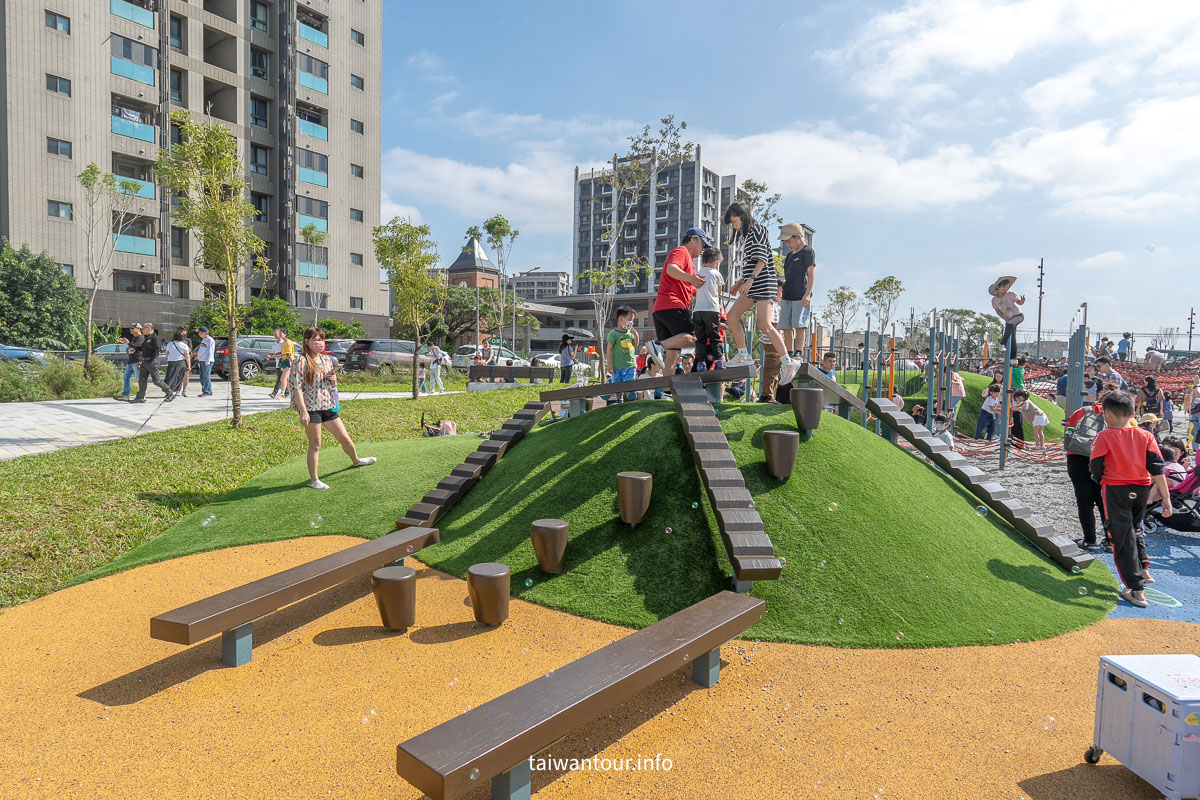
[395,591]
[488,588]
[780,448]
[550,544]
[633,495]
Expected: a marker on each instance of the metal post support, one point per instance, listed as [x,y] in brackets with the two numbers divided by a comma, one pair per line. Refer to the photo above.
[706,669]
[866,365]
[514,784]
[1076,348]
[1005,413]
[879,381]
[236,646]
[930,372]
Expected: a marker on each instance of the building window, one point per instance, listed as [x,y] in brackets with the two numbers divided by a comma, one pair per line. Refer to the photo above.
[312,207]
[262,204]
[357,127]
[357,171]
[178,242]
[58,147]
[179,289]
[259,112]
[259,157]
[133,51]
[313,66]
[357,82]
[176,134]
[356,215]
[177,86]
[56,208]
[356,304]
[260,63]
[309,159]
[68,269]
[60,23]
[356,259]
[138,282]
[58,85]
[260,13]
[177,32]
[355,36]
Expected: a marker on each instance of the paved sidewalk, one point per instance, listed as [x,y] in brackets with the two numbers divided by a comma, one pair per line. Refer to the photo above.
[54,424]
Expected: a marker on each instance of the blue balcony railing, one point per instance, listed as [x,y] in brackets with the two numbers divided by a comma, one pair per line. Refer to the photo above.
[127,69]
[312,176]
[313,270]
[146,189]
[134,130]
[132,12]
[135,244]
[314,130]
[313,82]
[313,35]
[321,224]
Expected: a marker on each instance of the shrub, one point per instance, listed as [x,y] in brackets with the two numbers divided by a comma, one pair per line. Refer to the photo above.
[15,387]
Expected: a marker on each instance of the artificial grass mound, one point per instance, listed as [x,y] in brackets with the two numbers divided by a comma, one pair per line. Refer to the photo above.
[972,403]
[882,551]
[277,504]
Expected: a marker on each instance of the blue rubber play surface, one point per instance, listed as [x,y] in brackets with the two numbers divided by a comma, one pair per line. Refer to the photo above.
[1175,565]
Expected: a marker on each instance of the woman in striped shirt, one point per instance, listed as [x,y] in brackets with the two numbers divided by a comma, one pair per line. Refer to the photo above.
[759,287]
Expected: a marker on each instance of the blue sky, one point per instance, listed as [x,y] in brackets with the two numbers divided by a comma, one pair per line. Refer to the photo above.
[943,141]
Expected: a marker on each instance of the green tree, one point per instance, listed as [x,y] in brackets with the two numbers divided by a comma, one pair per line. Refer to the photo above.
[756,196]
[605,284]
[39,304]
[973,329]
[409,256]
[205,172]
[473,233]
[110,207]
[842,304]
[501,235]
[314,237]
[882,296]
[261,316]
[336,329]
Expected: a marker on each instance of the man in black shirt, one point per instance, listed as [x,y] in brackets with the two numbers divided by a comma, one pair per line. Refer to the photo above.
[151,347]
[795,305]
[133,355]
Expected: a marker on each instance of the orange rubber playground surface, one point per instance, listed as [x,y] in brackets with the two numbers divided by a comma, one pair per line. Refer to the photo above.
[93,707]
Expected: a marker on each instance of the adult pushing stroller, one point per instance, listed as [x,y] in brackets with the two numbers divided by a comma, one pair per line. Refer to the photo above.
[1185,503]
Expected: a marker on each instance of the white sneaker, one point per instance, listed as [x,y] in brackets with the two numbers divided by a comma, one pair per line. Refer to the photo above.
[787,369]
[742,359]
[365,462]
[318,484]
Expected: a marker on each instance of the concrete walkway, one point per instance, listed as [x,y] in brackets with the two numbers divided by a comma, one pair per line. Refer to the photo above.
[54,424]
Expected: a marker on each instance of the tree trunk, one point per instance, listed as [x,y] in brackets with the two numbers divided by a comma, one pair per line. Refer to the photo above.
[416,360]
[87,356]
[235,376]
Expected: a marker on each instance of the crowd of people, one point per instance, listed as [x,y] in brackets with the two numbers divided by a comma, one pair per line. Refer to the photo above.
[143,347]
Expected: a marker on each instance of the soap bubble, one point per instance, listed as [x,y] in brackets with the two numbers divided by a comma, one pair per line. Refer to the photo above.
[316,522]
[782,561]
[695,504]
[841,622]
[900,636]
[529,581]
[1133,495]
[668,530]
[1049,723]
[209,520]
[833,506]
[1149,248]
[981,510]
[1075,569]
[1083,590]
[685,656]
[474,774]
[410,548]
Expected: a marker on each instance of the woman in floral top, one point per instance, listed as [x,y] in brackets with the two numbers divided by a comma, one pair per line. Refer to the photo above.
[315,396]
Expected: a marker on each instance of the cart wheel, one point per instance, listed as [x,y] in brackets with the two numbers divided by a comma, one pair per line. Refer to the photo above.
[1151,525]
[1092,756]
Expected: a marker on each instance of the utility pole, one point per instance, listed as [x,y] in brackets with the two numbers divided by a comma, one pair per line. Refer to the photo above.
[1041,275]
[1191,326]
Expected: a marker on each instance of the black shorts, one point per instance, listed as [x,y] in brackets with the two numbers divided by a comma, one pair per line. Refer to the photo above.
[672,322]
[707,327]
[317,416]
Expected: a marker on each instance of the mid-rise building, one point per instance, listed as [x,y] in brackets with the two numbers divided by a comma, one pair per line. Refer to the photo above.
[298,83]
[535,284]
[692,194]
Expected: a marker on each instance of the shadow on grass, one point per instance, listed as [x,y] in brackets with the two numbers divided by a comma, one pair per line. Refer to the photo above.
[1035,578]
[153,678]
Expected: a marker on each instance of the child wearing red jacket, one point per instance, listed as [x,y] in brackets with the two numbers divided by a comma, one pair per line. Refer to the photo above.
[1125,461]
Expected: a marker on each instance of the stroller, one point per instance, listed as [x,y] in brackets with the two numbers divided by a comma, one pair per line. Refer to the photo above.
[443,427]
[1185,502]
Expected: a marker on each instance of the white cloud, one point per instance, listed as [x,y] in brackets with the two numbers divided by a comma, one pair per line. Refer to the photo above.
[389,210]
[590,128]
[1110,258]
[431,66]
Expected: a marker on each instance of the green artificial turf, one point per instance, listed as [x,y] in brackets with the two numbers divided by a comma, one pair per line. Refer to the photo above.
[903,560]
[968,409]
[278,504]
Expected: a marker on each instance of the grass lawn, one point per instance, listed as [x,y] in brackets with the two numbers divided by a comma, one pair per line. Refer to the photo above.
[904,560]
[361,381]
[71,511]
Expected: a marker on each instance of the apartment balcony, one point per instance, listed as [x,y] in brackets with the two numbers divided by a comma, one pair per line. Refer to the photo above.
[140,245]
[127,69]
[313,129]
[303,221]
[132,12]
[308,270]
[134,130]
[146,189]
[313,35]
[314,177]
[311,81]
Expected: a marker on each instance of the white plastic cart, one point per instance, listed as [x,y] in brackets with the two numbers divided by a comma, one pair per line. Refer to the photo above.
[1148,718]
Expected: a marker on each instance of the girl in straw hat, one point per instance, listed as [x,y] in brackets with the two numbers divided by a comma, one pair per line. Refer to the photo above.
[1006,305]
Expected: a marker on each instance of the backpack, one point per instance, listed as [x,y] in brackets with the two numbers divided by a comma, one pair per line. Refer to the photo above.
[1152,403]
[1079,441]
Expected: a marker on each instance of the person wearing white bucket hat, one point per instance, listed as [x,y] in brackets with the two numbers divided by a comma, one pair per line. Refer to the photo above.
[1006,305]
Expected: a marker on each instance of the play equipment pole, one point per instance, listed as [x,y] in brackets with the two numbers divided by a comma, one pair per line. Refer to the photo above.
[879,381]
[892,366]
[1076,348]
[1006,413]
[930,368]
[866,365]
[812,339]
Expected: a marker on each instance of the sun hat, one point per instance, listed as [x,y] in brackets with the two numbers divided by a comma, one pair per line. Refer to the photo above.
[1008,280]
[790,230]
[1149,419]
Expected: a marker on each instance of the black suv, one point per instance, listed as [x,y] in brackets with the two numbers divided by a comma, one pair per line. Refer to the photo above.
[254,357]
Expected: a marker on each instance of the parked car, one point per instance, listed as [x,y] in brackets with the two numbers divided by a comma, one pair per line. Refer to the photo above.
[24,356]
[254,357]
[336,349]
[545,360]
[462,356]
[385,356]
[117,354]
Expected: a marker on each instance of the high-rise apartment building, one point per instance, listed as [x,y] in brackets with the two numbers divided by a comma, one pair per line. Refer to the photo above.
[689,195]
[536,285]
[298,83]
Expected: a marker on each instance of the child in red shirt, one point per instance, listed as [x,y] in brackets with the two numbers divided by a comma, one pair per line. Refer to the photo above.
[1125,461]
